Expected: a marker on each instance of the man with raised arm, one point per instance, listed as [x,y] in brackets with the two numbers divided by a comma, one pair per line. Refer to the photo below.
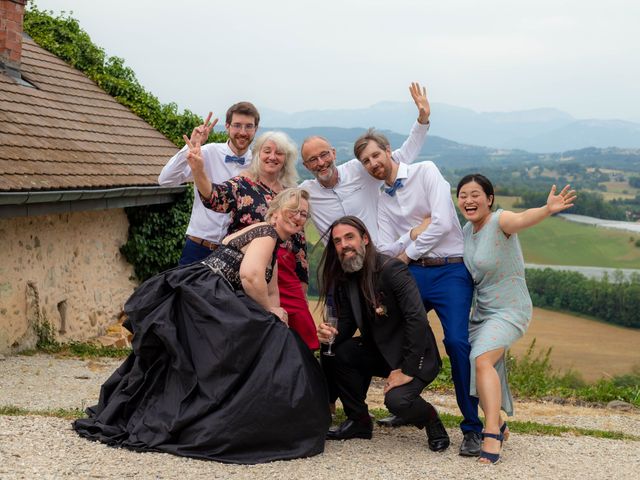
[433,250]
[222,161]
[347,189]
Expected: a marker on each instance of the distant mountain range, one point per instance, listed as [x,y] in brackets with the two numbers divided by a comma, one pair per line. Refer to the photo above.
[453,155]
[541,130]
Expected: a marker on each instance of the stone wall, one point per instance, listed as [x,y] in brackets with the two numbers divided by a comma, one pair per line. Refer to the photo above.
[65,269]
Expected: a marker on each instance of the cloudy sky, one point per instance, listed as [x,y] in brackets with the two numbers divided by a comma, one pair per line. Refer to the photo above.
[580,56]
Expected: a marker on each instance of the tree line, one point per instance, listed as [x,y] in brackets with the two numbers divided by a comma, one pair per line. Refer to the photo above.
[614,300]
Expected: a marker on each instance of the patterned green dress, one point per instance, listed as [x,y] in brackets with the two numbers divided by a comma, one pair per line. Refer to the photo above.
[502,306]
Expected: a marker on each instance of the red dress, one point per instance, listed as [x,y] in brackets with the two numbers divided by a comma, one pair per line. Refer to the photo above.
[292,299]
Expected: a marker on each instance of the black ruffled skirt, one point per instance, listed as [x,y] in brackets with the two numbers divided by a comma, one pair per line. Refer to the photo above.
[212,375]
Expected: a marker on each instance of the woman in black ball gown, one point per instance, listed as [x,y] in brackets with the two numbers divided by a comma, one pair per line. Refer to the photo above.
[215,373]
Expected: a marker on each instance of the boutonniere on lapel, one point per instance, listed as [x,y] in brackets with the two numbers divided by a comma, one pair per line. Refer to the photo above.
[380,307]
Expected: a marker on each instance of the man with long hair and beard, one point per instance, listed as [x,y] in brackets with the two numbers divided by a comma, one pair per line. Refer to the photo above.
[376,295]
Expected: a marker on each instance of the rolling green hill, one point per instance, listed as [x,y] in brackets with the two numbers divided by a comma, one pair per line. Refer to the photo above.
[560,242]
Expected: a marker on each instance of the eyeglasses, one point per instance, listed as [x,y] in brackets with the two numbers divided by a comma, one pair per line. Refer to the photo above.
[247,127]
[302,213]
[312,161]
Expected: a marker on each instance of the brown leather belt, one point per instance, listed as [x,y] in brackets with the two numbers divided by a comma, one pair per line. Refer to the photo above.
[436,261]
[201,241]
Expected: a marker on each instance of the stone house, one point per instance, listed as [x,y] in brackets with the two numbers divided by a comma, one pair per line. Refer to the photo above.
[71,159]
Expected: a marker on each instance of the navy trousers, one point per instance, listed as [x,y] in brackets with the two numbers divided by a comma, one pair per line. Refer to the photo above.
[192,252]
[448,289]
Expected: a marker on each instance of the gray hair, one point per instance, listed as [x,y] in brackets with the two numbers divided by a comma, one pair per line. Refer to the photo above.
[288,175]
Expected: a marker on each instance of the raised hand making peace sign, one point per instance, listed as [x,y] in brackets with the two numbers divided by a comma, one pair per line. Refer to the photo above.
[201,132]
[196,163]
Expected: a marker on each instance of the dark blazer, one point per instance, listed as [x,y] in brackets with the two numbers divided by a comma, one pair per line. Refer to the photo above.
[401,330]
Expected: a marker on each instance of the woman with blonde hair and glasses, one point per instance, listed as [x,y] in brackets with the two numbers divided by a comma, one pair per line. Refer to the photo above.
[211,349]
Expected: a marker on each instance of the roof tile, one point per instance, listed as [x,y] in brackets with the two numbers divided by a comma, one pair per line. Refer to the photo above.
[67,133]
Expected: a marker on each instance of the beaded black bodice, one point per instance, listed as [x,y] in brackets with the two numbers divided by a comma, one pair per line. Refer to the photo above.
[227,258]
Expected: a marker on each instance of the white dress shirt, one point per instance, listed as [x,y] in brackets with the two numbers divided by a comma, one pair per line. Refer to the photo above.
[204,223]
[357,192]
[425,193]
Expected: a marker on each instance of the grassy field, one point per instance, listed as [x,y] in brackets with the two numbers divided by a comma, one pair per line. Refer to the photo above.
[560,242]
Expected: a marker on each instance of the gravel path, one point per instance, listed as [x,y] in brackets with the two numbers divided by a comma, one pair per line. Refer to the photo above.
[46,447]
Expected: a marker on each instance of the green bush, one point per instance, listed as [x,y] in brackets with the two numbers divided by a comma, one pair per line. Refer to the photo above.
[156,235]
[533,377]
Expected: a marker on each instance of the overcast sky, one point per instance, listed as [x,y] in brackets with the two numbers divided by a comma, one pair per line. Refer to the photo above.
[580,56]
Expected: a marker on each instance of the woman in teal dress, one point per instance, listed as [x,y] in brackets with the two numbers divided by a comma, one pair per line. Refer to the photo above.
[502,306]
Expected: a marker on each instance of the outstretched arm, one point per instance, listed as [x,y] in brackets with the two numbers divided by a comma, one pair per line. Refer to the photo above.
[512,222]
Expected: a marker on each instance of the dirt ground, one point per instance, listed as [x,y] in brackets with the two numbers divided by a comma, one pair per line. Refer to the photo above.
[592,348]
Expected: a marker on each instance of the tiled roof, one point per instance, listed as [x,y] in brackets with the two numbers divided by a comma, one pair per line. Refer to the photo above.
[69,134]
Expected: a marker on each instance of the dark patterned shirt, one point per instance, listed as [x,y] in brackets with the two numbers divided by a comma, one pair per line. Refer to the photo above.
[247,202]
[226,260]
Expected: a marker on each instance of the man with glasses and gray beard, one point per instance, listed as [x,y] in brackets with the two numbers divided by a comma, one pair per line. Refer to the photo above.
[377,295]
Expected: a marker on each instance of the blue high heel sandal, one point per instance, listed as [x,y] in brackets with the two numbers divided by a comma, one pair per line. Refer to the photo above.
[492,457]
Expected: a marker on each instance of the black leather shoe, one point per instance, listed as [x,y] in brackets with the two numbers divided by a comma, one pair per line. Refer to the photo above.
[437,436]
[391,421]
[351,429]
[471,444]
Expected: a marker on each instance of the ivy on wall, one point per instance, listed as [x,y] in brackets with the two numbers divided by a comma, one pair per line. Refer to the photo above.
[156,233]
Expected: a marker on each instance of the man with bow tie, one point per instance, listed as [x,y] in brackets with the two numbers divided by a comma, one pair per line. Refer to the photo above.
[222,161]
[417,223]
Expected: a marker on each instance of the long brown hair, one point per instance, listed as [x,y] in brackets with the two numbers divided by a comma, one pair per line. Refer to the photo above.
[330,270]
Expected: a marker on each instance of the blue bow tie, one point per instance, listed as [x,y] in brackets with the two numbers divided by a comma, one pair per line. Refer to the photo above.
[233,159]
[391,191]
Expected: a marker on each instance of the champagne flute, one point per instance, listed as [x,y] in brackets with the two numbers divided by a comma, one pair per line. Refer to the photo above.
[330,319]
